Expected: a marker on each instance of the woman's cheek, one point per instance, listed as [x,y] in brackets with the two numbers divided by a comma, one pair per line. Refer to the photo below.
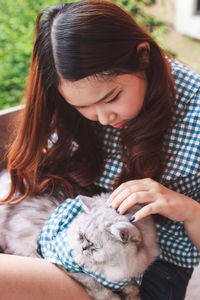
[87,114]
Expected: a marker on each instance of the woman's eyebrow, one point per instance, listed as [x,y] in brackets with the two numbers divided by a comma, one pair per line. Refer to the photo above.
[98,101]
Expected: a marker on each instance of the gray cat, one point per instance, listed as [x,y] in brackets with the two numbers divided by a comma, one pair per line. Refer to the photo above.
[106,250]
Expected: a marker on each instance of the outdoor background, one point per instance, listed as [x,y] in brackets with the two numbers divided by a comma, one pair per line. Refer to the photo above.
[17,18]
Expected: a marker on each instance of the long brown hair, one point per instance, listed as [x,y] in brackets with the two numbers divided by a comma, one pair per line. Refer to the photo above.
[73,41]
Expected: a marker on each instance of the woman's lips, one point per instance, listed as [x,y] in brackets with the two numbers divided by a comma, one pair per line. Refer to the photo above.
[118,125]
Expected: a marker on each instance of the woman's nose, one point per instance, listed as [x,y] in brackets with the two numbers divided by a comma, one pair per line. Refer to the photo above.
[106,118]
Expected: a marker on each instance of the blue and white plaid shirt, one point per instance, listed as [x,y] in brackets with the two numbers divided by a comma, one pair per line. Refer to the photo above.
[182,151]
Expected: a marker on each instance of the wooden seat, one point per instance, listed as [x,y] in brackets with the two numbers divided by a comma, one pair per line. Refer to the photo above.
[8,125]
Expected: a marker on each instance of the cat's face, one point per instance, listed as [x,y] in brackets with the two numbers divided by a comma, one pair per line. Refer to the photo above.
[104,240]
[101,241]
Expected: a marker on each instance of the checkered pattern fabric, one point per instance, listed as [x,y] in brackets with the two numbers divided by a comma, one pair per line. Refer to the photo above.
[53,243]
[181,149]
[182,174]
[113,164]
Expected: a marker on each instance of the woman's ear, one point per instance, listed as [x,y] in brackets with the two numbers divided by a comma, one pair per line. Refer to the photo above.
[143,46]
[143,52]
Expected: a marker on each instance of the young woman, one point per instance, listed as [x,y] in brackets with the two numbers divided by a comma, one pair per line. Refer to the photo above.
[126,119]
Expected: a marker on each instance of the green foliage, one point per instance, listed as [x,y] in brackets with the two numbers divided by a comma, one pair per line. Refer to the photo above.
[136,8]
[16,39]
[17,21]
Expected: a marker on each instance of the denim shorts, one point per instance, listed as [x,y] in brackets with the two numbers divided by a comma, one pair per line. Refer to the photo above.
[165,281]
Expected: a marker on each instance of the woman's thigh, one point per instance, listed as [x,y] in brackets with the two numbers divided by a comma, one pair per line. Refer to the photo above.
[34,278]
[165,281]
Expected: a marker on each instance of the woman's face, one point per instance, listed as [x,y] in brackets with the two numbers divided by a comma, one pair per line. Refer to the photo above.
[109,101]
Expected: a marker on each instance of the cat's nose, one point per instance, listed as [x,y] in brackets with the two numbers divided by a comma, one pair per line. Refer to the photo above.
[87,246]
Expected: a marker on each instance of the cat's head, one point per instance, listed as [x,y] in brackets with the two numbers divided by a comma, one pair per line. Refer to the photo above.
[107,242]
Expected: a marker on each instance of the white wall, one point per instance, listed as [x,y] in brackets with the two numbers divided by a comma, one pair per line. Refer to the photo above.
[187,21]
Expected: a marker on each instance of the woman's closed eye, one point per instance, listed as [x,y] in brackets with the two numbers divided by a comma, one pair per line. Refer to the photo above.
[114,99]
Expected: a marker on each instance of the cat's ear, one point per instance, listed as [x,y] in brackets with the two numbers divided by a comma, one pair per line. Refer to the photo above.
[86,203]
[126,232]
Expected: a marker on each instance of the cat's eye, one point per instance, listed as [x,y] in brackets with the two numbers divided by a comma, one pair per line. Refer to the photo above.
[97,245]
[81,236]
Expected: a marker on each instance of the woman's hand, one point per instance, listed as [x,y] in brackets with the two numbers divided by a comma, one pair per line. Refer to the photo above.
[157,199]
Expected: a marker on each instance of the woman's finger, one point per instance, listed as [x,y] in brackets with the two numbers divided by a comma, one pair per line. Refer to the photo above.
[129,187]
[142,197]
[145,211]
[128,192]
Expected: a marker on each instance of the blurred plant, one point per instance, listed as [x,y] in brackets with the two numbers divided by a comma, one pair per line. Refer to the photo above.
[17,20]
[136,8]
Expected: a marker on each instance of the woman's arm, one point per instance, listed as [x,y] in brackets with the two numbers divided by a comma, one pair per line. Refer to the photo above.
[35,278]
[192,224]
[159,200]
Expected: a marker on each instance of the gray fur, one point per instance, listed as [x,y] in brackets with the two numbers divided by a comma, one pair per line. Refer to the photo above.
[99,238]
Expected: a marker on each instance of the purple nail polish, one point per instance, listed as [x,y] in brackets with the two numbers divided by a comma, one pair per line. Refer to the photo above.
[132,219]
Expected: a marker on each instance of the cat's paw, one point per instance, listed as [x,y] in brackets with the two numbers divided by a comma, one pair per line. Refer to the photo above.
[114,297]
[105,296]
[131,292]
[109,295]
[131,297]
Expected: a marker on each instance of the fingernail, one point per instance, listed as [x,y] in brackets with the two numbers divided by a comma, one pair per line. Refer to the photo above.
[118,211]
[108,201]
[132,219]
